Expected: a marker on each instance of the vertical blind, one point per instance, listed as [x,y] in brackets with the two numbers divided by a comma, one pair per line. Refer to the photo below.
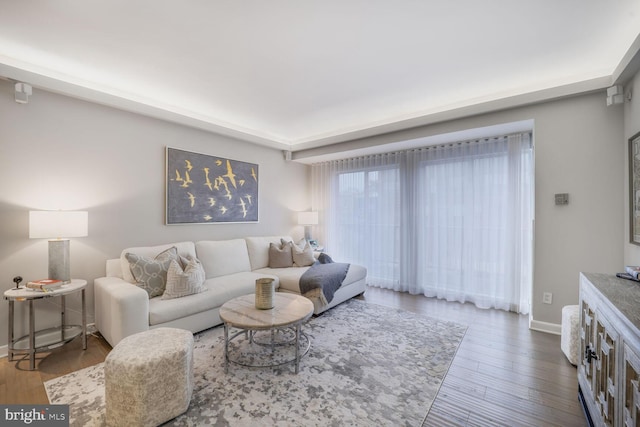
[453,221]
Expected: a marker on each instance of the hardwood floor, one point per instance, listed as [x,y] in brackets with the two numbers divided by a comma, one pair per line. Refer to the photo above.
[21,386]
[503,374]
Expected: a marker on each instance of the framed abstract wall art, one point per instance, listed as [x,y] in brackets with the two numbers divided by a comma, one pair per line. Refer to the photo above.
[204,189]
[634,189]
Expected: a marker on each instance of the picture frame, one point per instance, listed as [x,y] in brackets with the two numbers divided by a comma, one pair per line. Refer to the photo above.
[634,189]
[206,189]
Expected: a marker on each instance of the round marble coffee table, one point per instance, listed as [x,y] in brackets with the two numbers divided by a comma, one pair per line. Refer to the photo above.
[289,312]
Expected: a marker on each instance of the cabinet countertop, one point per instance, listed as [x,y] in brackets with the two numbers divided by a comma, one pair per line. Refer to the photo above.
[623,294]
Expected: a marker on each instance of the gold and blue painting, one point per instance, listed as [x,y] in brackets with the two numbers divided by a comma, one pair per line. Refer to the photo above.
[205,189]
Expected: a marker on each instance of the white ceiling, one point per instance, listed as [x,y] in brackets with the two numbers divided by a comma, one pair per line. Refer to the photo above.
[299,74]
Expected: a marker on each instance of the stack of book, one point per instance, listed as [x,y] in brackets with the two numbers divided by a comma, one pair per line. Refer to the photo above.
[44,285]
[631,272]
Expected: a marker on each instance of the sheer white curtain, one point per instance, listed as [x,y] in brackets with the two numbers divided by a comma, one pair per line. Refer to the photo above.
[452,221]
[358,201]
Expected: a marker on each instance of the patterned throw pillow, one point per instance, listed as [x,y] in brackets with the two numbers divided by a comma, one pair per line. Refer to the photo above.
[151,274]
[302,254]
[182,282]
[280,255]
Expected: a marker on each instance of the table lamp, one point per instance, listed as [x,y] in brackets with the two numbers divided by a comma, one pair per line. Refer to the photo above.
[307,219]
[58,226]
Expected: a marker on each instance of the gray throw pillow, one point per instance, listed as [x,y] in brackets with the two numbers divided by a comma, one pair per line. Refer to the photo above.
[182,282]
[151,274]
[302,255]
[280,256]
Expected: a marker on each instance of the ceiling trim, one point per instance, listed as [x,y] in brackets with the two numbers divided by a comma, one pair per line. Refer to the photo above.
[401,131]
[629,65]
[408,143]
[127,102]
[50,81]
[466,109]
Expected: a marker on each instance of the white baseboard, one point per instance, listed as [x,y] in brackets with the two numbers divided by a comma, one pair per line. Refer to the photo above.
[4,351]
[550,328]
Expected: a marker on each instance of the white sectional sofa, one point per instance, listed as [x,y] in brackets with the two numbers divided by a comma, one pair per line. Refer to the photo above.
[231,269]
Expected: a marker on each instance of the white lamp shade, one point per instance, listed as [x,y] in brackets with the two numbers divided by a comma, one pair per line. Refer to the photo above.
[58,224]
[307,218]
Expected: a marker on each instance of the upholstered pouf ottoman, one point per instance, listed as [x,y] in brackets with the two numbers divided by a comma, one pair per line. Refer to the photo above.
[149,377]
[569,340]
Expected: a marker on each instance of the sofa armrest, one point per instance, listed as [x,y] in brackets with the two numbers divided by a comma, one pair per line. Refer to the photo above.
[121,309]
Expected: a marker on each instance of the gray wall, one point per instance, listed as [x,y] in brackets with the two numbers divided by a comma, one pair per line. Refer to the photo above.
[579,150]
[61,153]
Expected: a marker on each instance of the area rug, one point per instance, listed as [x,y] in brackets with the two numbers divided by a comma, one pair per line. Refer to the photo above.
[367,365]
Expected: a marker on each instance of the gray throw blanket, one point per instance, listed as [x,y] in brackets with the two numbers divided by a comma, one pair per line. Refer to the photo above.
[324,278]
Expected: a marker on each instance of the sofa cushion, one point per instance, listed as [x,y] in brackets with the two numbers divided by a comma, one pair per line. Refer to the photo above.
[182,282]
[355,273]
[258,248]
[220,290]
[222,257]
[280,255]
[151,273]
[289,278]
[184,249]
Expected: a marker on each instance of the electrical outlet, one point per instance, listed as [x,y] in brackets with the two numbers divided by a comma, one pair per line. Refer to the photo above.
[547,297]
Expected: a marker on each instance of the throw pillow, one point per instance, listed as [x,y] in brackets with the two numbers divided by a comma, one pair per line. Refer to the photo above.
[151,274]
[280,256]
[182,282]
[325,259]
[302,254]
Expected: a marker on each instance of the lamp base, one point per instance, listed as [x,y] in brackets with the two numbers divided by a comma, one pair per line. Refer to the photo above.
[307,232]
[59,260]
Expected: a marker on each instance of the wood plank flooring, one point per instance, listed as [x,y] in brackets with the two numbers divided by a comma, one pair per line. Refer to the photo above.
[502,375]
[18,385]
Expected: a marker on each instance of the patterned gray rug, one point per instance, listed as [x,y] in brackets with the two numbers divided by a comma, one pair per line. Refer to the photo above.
[367,365]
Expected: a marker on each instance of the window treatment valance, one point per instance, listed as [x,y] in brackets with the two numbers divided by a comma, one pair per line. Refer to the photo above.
[452,221]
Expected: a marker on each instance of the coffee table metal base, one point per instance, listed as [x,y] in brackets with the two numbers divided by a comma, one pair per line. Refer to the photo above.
[297,340]
[289,312]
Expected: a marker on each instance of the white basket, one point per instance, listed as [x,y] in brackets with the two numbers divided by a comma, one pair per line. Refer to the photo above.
[265,288]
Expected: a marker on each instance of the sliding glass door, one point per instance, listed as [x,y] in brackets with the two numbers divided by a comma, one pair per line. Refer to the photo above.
[450,221]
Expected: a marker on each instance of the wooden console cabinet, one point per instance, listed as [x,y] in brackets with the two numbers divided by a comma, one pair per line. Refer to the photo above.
[609,365]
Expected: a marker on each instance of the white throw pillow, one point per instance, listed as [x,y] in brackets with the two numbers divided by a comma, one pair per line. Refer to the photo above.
[302,254]
[182,282]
